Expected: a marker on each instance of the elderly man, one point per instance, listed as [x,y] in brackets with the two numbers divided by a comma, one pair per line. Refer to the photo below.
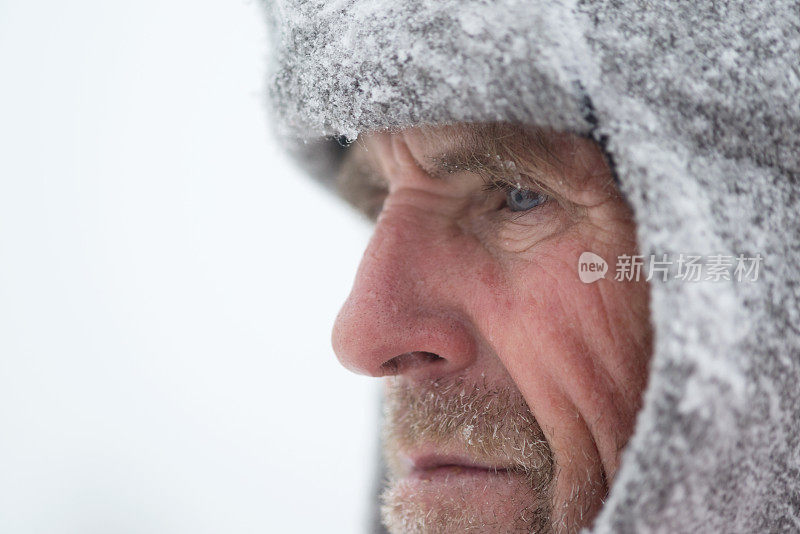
[582,286]
[515,385]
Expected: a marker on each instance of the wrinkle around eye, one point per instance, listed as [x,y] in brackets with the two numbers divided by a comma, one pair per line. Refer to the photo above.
[520,232]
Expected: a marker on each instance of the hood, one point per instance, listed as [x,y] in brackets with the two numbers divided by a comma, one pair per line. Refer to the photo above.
[697,106]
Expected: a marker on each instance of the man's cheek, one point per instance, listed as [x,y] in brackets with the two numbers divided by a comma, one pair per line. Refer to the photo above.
[535,311]
[554,320]
[530,320]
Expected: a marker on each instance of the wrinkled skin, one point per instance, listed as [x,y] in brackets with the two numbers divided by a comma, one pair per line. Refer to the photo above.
[454,284]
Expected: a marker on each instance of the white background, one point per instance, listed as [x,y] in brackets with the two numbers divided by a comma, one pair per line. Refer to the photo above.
[167,285]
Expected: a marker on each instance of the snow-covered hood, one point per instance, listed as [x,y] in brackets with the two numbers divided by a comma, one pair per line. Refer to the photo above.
[697,105]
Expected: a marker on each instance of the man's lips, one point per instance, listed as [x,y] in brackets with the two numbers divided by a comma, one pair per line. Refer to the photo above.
[438,477]
[429,465]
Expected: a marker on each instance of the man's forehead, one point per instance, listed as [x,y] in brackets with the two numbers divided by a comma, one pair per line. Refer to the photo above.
[453,135]
[439,138]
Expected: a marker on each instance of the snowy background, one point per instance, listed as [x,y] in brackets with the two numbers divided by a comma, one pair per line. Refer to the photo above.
[167,285]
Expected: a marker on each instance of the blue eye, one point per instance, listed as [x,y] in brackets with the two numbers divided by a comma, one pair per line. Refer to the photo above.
[519,199]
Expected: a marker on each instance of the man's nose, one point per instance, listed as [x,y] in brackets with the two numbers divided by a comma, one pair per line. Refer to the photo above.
[405,314]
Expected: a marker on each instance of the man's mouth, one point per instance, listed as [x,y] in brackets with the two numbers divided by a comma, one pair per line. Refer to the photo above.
[463,455]
[433,466]
[454,484]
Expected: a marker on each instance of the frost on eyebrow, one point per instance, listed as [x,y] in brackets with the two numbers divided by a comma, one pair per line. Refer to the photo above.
[491,166]
[496,150]
[550,162]
[505,155]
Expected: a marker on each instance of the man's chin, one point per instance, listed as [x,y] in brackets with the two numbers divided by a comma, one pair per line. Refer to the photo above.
[455,500]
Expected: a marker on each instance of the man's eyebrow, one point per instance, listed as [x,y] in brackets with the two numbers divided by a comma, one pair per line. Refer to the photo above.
[493,156]
[463,159]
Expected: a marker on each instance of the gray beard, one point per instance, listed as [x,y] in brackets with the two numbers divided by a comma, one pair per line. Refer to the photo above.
[489,423]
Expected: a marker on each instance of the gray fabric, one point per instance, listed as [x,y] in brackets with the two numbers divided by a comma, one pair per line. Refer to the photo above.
[698,106]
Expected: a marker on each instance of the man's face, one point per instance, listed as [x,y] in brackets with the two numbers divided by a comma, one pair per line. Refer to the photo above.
[512,386]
